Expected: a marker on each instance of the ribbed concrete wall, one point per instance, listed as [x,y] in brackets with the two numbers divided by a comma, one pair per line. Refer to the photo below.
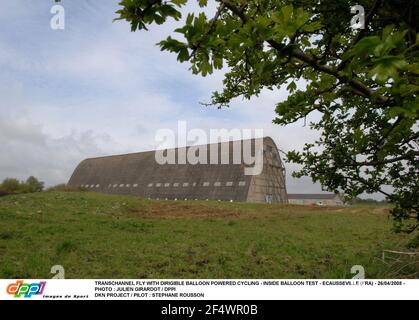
[139,174]
[270,185]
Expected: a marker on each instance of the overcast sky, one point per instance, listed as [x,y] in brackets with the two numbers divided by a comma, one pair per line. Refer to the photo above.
[98,89]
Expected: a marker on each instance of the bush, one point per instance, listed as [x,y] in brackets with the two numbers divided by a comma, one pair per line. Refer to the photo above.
[14,186]
[414,243]
[34,185]
[3,193]
[65,188]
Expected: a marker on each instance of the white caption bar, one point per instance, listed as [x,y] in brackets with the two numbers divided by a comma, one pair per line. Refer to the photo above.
[208,289]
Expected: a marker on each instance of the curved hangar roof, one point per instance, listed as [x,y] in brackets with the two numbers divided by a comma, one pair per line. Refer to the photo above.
[139,174]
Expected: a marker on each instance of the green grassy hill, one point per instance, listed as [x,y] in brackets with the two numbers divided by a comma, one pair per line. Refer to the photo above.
[103,236]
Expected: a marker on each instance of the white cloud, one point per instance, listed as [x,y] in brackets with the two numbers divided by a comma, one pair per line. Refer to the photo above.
[27,150]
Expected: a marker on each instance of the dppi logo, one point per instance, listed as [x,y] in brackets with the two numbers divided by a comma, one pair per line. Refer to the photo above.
[27,290]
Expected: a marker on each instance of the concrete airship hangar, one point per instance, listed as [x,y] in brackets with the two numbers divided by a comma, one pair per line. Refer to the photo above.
[139,174]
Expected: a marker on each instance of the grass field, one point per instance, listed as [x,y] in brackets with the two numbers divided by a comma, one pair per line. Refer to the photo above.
[103,236]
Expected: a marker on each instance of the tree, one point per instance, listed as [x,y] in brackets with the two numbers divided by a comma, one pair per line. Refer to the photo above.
[14,186]
[11,185]
[34,185]
[364,83]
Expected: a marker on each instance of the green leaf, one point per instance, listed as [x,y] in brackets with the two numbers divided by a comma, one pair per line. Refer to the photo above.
[388,66]
[292,87]
[364,47]
[179,3]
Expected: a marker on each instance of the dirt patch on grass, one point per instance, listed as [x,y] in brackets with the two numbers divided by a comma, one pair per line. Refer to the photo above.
[314,208]
[199,210]
[330,209]
[183,210]
[369,210]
